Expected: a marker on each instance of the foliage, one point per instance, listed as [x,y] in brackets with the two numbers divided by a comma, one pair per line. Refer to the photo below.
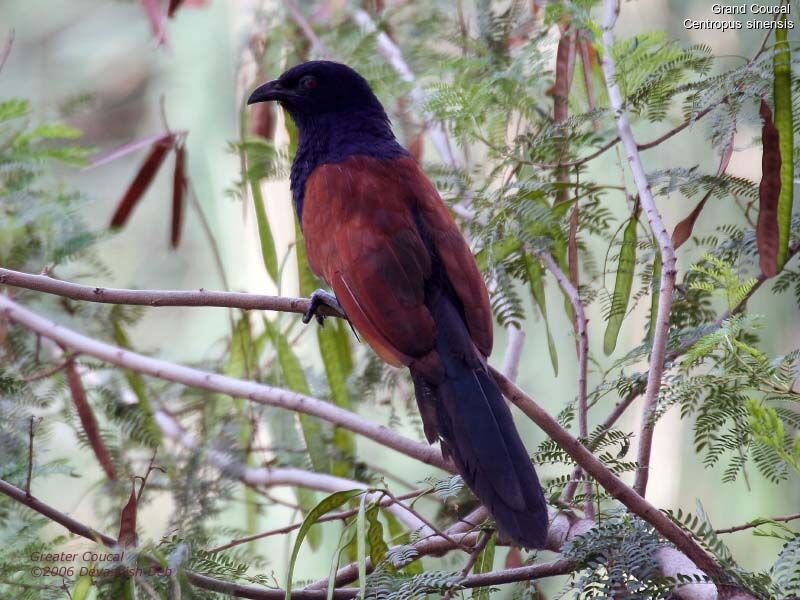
[527,184]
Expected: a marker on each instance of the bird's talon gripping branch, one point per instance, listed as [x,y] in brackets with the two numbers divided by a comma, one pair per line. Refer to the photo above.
[319,298]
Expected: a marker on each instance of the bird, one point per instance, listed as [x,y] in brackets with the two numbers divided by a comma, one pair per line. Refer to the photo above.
[377,232]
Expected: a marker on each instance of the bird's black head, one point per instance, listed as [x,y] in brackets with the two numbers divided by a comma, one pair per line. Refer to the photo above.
[337,115]
[317,88]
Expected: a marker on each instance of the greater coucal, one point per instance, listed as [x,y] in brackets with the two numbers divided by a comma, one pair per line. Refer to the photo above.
[378,233]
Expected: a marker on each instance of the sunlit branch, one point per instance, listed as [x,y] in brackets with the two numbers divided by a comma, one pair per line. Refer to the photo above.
[668,271]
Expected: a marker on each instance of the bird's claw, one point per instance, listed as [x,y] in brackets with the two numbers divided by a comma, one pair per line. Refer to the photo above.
[319,298]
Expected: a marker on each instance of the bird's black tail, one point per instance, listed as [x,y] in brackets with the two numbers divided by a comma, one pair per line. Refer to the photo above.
[478,432]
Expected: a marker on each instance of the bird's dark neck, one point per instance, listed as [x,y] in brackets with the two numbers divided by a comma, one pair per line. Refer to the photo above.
[332,138]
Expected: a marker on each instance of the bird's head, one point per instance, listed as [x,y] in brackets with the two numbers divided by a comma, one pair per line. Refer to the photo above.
[317,88]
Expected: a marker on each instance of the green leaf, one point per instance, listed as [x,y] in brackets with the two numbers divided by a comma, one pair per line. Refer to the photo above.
[622,285]
[334,348]
[484,564]
[307,499]
[296,380]
[242,355]
[377,546]
[13,109]
[82,588]
[328,504]
[348,533]
[136,383]
[52,131]
[268,252]
[559,251]
[782,98]
[361,547]
[535,275]
[307,280]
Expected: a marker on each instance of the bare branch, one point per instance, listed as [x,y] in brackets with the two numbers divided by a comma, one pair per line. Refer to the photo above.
[758,522]
[202,581]
[262,394]
[31,426]
[514,346]
[156,298]
[6,49]
[57,516]
[668,271]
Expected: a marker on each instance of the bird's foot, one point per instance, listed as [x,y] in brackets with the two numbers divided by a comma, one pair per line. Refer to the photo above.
[322,298]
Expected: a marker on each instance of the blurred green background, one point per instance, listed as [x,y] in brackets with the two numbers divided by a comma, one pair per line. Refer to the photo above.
[94,64]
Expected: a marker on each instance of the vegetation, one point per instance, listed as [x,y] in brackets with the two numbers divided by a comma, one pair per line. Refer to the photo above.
[509,107]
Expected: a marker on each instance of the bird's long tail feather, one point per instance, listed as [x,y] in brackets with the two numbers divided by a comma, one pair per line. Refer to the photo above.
[476,429]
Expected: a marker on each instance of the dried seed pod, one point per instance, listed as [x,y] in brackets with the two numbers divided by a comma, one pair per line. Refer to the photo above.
[262,120]
[683,230]
[88,421]
[127,521]
[179,183]
[144,177]
[769,191]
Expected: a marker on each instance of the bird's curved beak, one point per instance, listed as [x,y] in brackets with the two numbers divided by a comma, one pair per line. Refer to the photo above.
[272,90]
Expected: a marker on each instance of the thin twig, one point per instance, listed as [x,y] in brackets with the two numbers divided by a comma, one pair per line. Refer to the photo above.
[430,525]
[583,360]
[759,522]
[47,372]
[6,49]
[668,270]
[471,560]
[30,458]
[319,48]
[335,516]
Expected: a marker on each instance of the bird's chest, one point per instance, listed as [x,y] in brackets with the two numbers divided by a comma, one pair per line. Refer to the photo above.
[341,226]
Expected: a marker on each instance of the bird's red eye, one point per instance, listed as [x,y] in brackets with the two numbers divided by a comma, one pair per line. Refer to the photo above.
[308,82]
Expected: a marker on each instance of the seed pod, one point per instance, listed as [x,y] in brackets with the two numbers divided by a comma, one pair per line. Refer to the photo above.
[623,284]
[88,421]
[127,522]
[144,177]
[178,191]
[769,192]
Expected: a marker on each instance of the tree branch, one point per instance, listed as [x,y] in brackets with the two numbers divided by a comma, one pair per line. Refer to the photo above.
[612,484]
[583,358]
[668,271]
[156,298]
[513,354]
[759,522]
[262,394]
[306,28]
[57,516]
